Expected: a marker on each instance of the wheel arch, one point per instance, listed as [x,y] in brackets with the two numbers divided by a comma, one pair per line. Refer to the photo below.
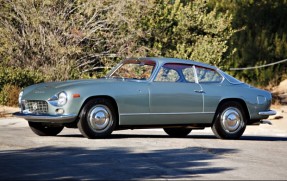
[113,101]
[238,100]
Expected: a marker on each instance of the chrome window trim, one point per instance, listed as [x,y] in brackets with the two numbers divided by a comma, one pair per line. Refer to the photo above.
[195,74]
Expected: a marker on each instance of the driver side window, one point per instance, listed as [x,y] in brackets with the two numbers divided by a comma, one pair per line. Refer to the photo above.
[167,75]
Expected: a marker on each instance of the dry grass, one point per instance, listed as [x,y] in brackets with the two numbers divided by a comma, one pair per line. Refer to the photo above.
[6,111]
[3,113]
[9,95]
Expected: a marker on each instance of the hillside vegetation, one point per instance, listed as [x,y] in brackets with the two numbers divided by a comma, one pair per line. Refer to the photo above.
[49,40]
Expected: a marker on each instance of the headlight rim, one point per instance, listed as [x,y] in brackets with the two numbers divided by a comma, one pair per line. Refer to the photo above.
[62,97]
[55,99]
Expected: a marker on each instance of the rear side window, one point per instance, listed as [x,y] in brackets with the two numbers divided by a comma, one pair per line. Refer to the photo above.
[207,75]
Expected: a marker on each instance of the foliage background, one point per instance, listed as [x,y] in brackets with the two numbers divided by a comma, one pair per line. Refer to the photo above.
[49,40]
[262,39]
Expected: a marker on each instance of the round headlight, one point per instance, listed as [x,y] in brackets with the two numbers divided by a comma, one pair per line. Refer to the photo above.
[62,99]
[20,97]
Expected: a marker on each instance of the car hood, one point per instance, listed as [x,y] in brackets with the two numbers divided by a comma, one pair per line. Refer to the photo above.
[70,83]
[48,89]
[64,84]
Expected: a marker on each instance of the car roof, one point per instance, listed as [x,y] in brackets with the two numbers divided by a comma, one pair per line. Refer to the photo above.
[162,60]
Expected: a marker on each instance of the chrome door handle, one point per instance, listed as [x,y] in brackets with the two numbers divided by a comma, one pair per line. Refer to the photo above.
[199,91]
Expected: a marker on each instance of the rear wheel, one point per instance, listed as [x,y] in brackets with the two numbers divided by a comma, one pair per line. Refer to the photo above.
[98,118]
[43,129]
[230,122]
[177,132]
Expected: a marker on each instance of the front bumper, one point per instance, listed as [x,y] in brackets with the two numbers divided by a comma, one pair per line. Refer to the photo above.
[267,113]
[46,117]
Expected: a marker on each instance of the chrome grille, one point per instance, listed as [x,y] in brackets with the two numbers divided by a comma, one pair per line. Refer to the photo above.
[35,106]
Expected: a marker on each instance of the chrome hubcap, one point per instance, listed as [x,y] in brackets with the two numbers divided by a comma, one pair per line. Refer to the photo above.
[231,120]
[100,118]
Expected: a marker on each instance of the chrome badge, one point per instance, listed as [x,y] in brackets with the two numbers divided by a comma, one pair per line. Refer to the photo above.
[34,106]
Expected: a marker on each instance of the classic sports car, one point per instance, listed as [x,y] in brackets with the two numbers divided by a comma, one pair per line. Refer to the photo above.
[174,94]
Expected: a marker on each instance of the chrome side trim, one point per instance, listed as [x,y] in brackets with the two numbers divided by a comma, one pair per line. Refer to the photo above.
[267,113]
[203,95]
[46,117]
[178,113]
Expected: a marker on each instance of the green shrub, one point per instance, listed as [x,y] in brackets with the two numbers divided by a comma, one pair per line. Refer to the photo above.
[19,77]
[12,80]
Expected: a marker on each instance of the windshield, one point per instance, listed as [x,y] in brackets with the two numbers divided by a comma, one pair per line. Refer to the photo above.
[134,69]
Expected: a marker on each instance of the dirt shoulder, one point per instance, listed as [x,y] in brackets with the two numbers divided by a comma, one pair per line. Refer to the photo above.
[6,111]
[281,112]
[279,121]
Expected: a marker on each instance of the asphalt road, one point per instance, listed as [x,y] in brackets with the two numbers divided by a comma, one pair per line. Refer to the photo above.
[142,154]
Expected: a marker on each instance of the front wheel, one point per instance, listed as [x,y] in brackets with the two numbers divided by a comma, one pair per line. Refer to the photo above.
[230,121]
[177,132]
[42,129]
[98,118]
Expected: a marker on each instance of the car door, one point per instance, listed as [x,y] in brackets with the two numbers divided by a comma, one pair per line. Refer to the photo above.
[133,102]
[175,97]
[210,81]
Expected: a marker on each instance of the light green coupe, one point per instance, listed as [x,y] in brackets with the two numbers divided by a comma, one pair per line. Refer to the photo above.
[174,94]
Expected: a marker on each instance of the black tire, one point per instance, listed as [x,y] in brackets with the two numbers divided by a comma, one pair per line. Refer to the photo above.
[98,118]
[230,121]
[177,132]
[43,129]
